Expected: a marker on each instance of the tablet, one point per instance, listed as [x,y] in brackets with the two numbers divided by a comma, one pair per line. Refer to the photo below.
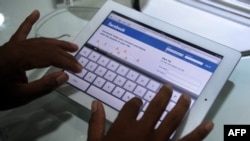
[127,54]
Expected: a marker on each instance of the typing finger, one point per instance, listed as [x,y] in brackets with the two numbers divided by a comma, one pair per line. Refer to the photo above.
[173,118]
[156,107]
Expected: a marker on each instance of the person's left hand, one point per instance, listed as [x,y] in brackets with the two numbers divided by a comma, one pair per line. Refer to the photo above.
[127,128]
[21,54]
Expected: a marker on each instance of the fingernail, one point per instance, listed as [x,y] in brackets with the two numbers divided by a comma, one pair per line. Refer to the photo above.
[62,78]
[209,126]
[94,106]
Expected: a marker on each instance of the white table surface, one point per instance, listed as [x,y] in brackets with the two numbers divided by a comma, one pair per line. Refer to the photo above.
[54,117]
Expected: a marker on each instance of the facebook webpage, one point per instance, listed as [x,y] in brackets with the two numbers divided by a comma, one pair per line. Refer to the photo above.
[167,58]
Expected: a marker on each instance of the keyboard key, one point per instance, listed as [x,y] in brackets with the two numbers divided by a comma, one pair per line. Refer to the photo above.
[132,75]
[128,96]
[149,95]
[163,115]
[175,96]
[106,97]
[110,76]
[142,80]
[140,91]
[100,71]
[85,51]
[145,106]
[140,115]
[122,70]
[79,83]
[99,82]
[83,61]
[91,66]
[153,85]
[90,77]
[103,61]
[118,92]
[130,86]
[108,87]
[157,124]
[94,56]
[170,106]
[119,80]
[82,73]
[113,65]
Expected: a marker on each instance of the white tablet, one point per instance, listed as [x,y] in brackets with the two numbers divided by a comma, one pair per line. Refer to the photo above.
[127,54]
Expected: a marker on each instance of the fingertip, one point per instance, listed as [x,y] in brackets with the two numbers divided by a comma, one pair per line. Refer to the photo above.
[186,97]
[130,109]
[97,107]
[136,101]
[74,47]
[167,87]
[62,78]
[79,68]
[209,126]
[94,106]
[35,14]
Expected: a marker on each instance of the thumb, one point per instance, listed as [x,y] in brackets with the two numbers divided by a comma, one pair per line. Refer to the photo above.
[97,122]
[43,86]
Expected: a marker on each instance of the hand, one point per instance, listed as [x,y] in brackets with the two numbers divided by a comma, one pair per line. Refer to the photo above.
[127,128]
[21,54]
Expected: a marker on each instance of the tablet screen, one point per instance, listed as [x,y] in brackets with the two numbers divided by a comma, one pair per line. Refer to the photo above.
[154,53]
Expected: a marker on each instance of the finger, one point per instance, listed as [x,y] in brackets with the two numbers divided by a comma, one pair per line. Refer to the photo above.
[200,132]
[97,122]
[156,107]
[42,86]
[52,52]
[69,62]
[66,46]
[26,26]
[173,118]
[64,61]
[130,110]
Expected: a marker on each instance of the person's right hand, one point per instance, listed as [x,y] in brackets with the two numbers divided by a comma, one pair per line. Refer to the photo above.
[20,54]
[126,127]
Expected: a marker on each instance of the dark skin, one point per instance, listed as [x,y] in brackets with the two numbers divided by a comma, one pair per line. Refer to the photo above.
[127,128]
[20,54]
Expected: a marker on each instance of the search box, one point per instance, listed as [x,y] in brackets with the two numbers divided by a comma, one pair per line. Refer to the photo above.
[193,60]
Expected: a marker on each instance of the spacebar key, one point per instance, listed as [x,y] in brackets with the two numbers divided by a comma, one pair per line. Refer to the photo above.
[106,97]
